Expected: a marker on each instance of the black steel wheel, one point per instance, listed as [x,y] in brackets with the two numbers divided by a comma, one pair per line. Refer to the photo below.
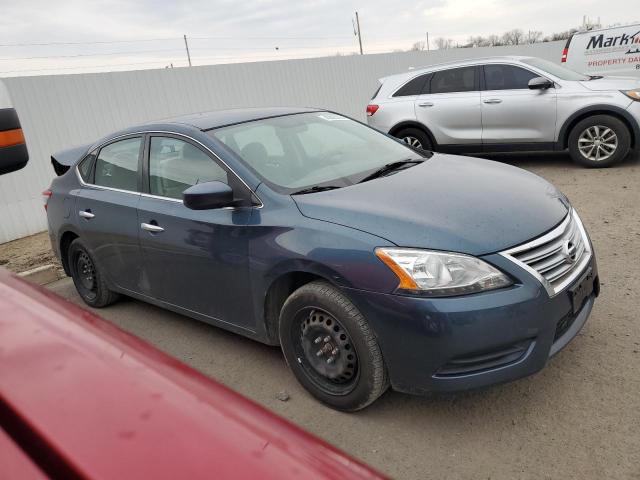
[330,347]
[87,278]
[326,351]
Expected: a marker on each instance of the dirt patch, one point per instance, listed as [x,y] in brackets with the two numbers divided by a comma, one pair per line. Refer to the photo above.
[27,253]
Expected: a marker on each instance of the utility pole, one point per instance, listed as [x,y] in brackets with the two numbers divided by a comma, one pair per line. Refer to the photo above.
[428,42]
[186,45]
[359,36]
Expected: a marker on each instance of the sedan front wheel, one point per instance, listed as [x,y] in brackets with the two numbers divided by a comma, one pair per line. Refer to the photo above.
[330,347]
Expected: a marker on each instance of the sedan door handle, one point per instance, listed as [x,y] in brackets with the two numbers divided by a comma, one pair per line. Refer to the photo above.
[151,228]
[425,104]
[86,214]
[492,100]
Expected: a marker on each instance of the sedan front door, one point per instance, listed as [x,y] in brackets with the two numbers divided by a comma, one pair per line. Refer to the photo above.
[451,108]
[193,259]
[511,112]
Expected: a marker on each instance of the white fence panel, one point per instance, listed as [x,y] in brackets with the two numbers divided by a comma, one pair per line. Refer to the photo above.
[62,111]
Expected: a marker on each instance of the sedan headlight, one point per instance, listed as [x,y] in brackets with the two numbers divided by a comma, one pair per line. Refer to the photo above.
[632,94]
[441,274]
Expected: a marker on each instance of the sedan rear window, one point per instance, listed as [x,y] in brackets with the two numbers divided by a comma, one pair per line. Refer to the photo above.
[117,165]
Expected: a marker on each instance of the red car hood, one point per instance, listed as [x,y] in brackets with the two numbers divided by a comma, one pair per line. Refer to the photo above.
[84,399]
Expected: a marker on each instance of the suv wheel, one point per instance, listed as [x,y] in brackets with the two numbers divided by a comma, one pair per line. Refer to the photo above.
[599,141]
[88,280]
[415,138]
[330,348]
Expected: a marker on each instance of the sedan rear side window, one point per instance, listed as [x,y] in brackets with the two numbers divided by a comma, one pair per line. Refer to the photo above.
[454,80]
[415,86]
[117,165]
[86,165]
[507,77]
[175,165]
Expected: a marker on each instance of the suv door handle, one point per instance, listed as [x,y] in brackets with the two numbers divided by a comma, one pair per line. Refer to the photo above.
[86,214]
[149,227]
[492,100]
[425,104]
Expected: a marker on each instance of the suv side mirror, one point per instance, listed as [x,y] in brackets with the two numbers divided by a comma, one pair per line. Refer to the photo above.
[209,195]
[13,150]
[540,83]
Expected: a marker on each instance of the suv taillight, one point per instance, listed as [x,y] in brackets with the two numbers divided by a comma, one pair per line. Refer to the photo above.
[46,195]
[371,109]
[565,52]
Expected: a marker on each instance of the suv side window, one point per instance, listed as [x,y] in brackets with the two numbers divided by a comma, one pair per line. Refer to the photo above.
[175,165]
[117,165]
[507,77]
[454,80]
[415,86]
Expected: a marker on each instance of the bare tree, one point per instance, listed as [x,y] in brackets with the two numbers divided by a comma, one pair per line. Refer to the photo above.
[444,43]
[513,37]
[534,36]
[418,46]
[494,40]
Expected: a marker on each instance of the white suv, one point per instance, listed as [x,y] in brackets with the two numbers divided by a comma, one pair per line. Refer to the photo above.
[506,104]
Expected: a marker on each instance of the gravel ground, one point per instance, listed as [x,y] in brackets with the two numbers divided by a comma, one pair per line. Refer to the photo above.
[578,418]
[27,253]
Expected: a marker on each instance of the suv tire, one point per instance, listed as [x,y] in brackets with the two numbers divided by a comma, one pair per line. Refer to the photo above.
[599,141]
[415,138]
[349,373]
[87,278]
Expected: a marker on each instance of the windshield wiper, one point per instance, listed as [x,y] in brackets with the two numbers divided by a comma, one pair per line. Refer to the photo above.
[595,77]
[315,188]
[390,167]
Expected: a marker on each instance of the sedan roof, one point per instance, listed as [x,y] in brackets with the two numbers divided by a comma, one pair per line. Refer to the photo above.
[222,118]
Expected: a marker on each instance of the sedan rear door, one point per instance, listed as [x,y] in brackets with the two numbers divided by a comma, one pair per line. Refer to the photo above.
[451,107]
[106,209]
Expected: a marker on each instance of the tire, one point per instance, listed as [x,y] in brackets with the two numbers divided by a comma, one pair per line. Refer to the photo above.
[87,278]
[357,376]
[415,138]
[591,139]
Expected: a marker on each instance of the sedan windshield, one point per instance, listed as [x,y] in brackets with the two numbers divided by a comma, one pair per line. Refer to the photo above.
[562,73]
[305,150]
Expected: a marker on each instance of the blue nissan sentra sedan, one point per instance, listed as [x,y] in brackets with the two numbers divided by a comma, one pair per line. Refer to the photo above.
[370,263]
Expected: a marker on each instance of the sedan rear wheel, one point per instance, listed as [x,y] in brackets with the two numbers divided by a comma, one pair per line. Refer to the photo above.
[87,278]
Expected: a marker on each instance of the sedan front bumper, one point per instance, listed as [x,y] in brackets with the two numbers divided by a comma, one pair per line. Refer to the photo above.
[461,343]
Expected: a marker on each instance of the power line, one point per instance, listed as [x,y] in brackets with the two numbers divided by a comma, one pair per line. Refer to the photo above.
[126,52]
[101,42]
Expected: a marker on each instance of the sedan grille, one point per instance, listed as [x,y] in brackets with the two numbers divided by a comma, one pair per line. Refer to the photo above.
[558,257]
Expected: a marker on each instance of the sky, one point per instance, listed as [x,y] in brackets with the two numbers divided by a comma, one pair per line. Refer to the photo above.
[40,37]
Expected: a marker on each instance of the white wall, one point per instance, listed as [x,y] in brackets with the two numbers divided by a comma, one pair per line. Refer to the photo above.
[62,111]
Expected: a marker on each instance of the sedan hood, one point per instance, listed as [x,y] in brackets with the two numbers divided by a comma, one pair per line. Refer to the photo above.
[449,203]
[612,83]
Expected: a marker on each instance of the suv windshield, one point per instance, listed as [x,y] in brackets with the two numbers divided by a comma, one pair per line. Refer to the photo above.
[556,70]
[304,150]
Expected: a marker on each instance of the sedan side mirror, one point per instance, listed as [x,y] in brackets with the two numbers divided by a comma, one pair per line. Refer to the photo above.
[209,195]
[540,83]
